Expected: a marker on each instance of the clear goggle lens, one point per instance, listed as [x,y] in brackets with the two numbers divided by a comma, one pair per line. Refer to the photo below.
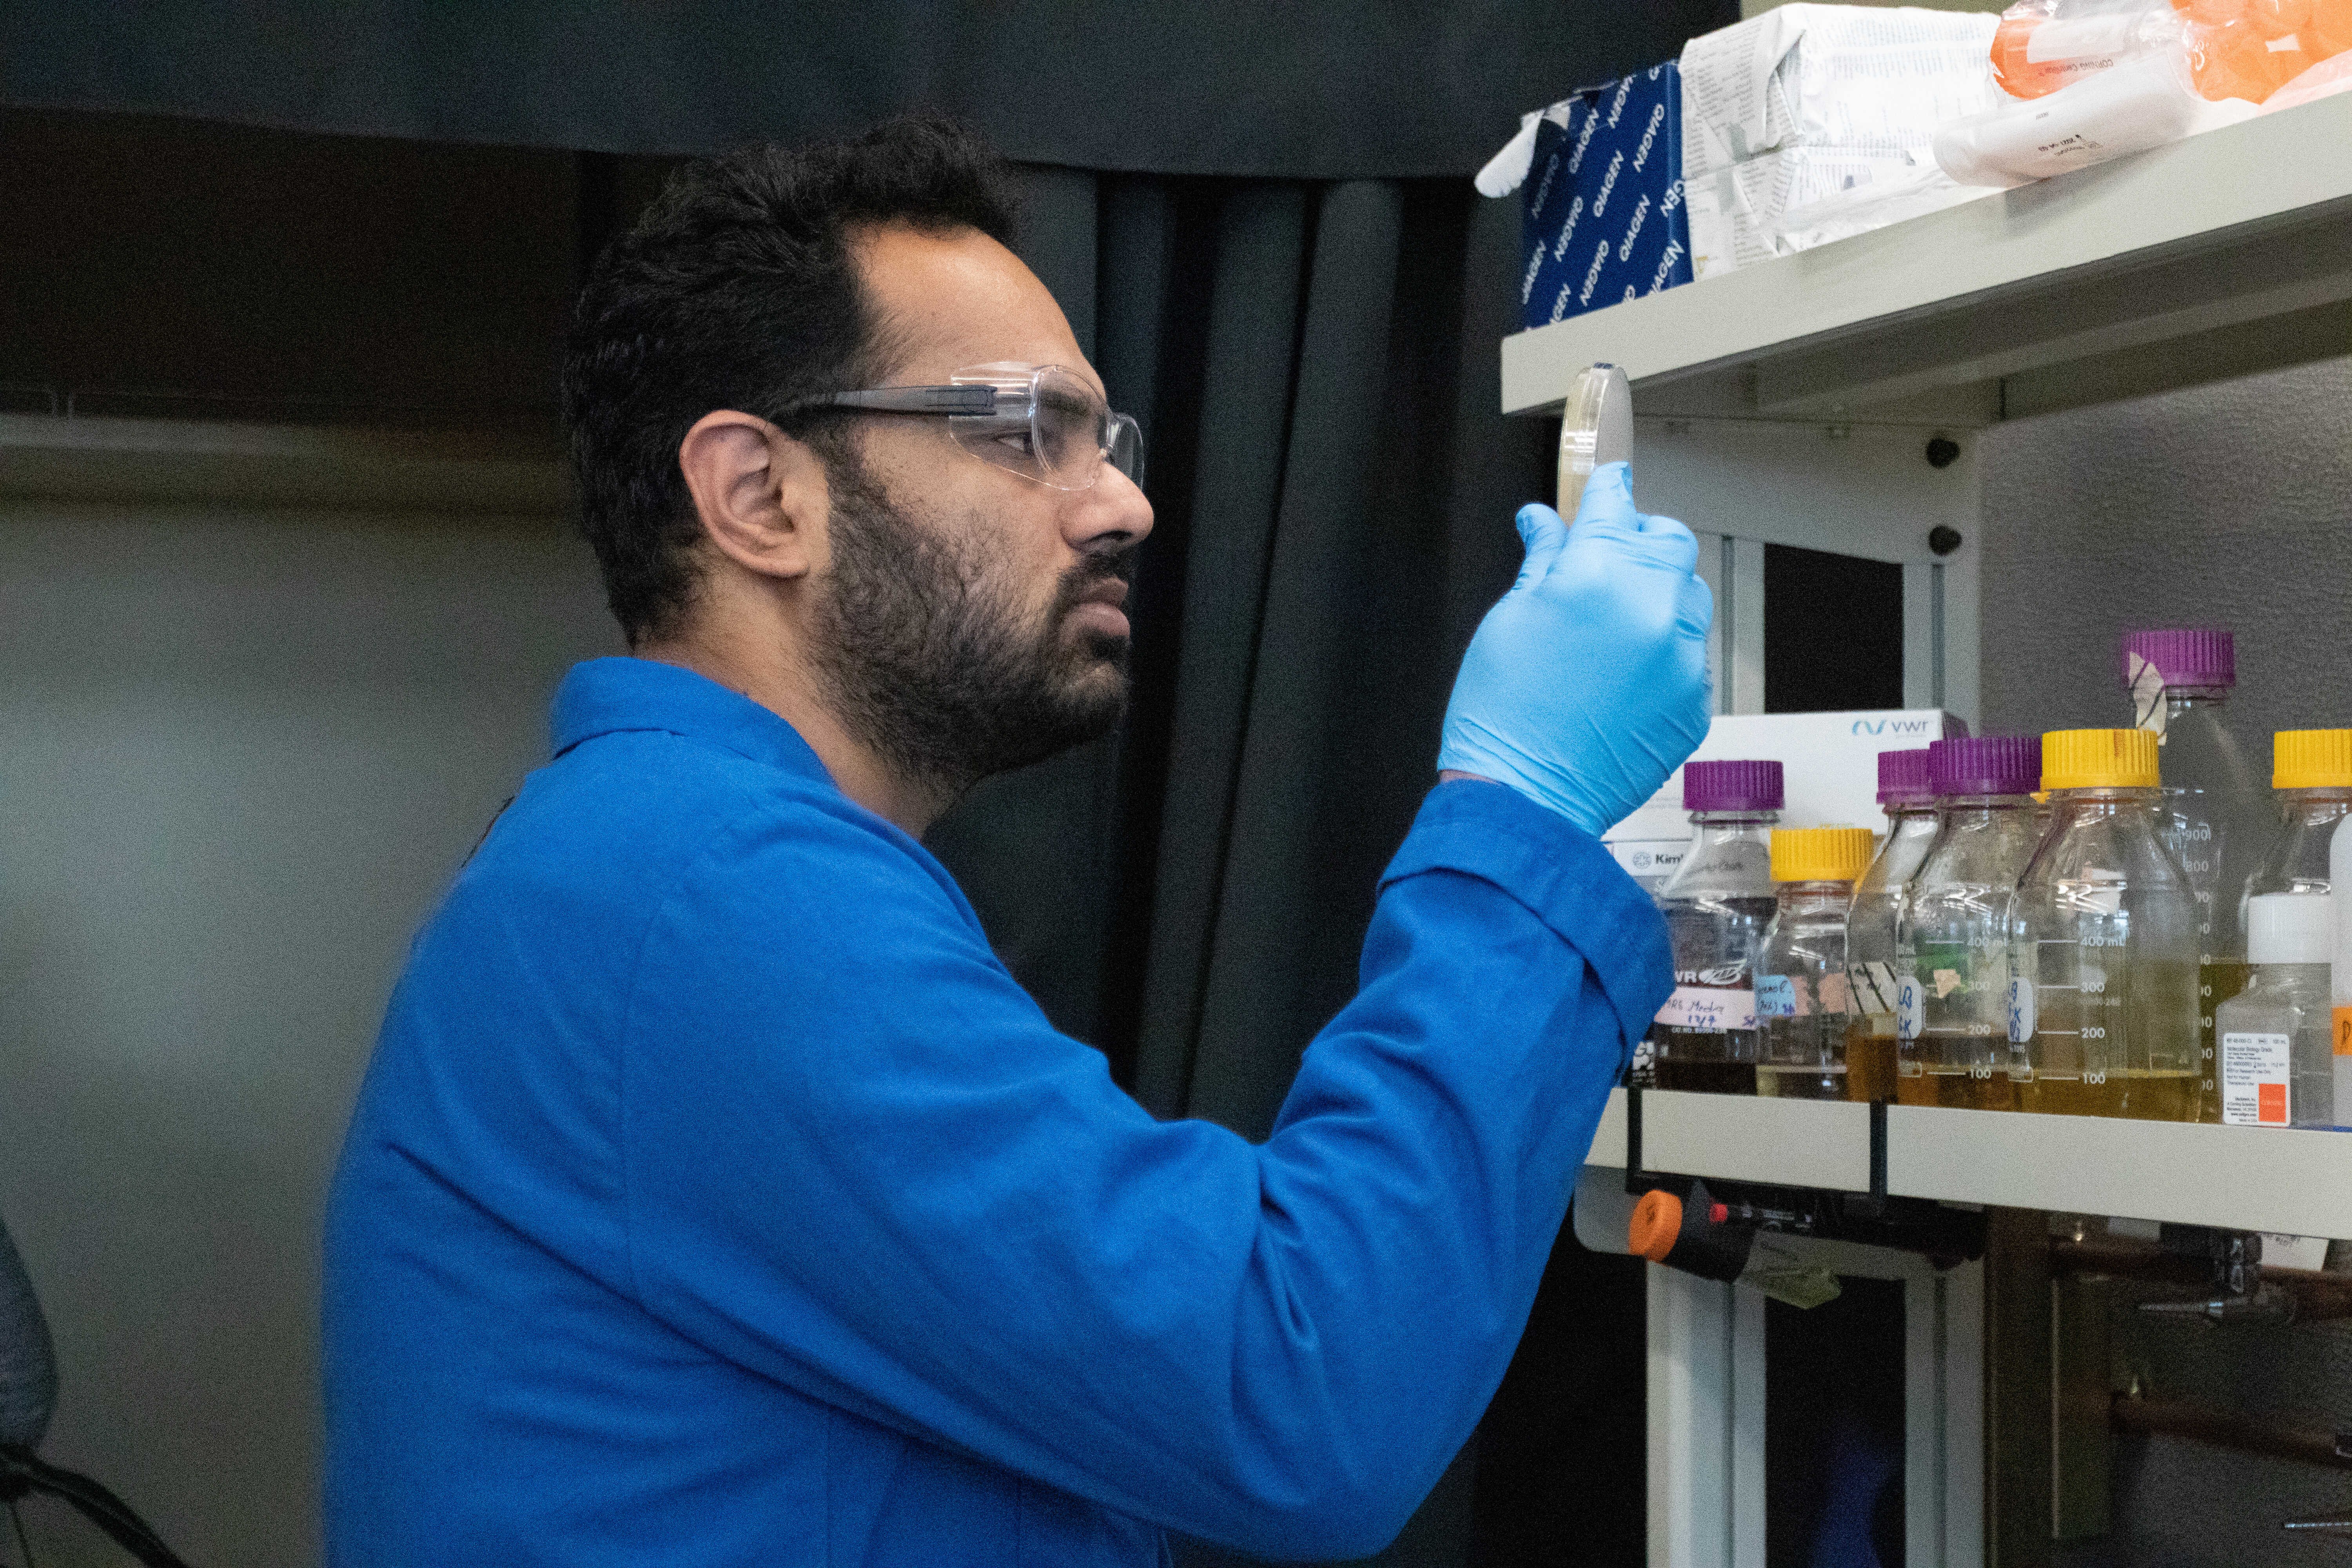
[1048,426]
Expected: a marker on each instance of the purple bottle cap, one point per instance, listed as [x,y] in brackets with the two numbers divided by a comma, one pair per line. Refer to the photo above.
[1905,776]
[1987,765]
[1731,786]
[2196,656]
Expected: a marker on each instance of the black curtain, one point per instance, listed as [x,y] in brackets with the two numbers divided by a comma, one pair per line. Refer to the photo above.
[1315,89]
[1314,365]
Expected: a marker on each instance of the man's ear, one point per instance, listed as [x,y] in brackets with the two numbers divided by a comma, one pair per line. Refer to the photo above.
[762,496]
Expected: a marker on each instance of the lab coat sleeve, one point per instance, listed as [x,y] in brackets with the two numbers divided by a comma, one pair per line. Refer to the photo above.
[860,1162]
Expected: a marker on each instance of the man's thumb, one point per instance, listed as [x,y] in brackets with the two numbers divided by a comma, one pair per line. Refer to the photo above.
[1544,533]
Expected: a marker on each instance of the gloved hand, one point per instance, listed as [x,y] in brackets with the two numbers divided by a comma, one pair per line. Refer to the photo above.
[1586,684]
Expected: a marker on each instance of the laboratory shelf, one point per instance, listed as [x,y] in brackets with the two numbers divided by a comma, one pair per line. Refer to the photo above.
[2221,255]
[2242,1178]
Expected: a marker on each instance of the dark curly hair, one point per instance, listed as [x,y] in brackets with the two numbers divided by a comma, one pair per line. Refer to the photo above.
[738,289]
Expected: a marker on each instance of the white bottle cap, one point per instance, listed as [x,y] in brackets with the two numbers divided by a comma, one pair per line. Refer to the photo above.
[2290,928]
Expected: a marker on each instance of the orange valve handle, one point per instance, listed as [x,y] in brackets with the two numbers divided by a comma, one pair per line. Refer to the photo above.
[1657,1224]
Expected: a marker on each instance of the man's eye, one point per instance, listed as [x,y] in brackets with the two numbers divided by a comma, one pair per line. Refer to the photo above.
[1019,441]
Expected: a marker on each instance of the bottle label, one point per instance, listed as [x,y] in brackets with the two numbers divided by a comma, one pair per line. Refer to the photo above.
[2146,683]
[1874,987]
[1777,996]
[2022,1018]
[2254,1079]
[1708,1009]
[1910,1009]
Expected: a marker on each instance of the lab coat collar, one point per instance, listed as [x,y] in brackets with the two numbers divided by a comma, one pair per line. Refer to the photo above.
[606,696]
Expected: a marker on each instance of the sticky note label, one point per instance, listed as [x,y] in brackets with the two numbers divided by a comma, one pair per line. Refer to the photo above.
[2254,1079]
[2344,1031]
[1776,996]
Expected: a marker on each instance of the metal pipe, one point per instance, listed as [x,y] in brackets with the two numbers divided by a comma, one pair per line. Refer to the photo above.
[2226,1429]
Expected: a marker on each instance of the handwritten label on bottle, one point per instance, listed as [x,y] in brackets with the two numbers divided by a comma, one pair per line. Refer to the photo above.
[1709,1009]
[2020,1011]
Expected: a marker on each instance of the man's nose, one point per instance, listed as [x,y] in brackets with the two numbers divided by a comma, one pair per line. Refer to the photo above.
[1113,514]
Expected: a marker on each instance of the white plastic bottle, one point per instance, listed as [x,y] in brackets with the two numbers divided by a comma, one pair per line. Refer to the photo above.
[2277,1069]
[2339,880]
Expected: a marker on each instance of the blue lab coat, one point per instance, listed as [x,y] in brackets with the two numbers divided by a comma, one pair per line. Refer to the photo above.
[715,1196]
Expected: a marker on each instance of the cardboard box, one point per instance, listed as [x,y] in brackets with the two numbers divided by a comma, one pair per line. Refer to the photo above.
[1830,767]
[1601,217]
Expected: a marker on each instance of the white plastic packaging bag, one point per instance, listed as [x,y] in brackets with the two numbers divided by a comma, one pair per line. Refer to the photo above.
[2143,102]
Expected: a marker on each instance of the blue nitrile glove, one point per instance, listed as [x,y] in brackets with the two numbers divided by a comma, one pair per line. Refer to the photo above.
[1587,684]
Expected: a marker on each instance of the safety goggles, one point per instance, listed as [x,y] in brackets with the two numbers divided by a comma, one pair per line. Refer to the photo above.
[1040,421]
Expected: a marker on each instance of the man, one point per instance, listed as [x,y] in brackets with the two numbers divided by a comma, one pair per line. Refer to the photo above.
[715,1196]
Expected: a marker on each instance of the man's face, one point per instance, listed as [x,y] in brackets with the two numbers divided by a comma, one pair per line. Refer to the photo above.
[970,617]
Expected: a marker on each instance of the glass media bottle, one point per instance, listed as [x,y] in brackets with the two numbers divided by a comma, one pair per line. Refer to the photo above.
[2311,782]
[1716,908]
[2103,997]
[1803,1004]
[1953,937]
[2215,820]
[1908,798]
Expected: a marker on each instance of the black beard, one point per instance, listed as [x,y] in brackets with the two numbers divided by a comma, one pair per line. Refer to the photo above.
[926,660]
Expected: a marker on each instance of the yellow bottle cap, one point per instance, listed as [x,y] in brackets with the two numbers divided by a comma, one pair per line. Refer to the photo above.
[2310,759]
[1820,854]
[2099,758]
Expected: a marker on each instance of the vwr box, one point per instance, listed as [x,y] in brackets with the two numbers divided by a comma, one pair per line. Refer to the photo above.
[1830,766]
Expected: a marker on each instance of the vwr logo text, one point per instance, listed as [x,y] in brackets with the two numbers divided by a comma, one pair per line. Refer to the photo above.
[1893,727]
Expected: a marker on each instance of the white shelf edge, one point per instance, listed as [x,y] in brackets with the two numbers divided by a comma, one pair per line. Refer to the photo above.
[2208,189]
[1733,1137]
[2238,1178]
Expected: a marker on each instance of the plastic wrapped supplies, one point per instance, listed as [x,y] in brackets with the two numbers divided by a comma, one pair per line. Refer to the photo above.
[2087,80]
[1860,79]
[1790,118]
[2143,102]
[1600,174]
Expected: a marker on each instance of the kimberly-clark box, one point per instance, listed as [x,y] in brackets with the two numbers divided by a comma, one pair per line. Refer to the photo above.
[1829,763]
[1601,217]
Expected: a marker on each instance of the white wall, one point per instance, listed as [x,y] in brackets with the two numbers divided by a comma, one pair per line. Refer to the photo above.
[241,750]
